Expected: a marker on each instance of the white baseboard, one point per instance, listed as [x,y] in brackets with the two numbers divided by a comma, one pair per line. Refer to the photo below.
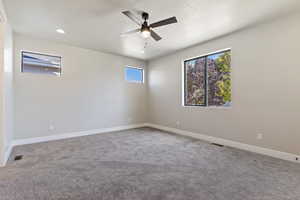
[230,143]
[19,142]
[7,153]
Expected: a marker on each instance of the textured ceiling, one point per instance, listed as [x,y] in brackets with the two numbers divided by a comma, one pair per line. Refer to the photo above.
[97,24]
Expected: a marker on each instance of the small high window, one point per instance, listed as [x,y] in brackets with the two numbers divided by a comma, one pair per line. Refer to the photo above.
[133,74]
[41,63]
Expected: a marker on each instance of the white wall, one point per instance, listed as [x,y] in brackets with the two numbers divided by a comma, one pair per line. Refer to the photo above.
[8,89]
[6,86]
[266,88]
[90,94]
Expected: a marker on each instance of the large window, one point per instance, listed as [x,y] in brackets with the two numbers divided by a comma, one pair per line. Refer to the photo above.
[207,80]
[133,74]
[41,63]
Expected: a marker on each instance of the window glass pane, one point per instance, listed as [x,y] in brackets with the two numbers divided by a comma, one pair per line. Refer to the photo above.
[134,74]
[41,64]
[195,82]
[219,79]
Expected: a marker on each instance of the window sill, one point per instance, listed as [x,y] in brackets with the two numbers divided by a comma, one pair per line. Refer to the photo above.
[209,107]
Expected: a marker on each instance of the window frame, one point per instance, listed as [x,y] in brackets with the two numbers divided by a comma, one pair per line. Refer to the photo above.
[184,61]
[138,68]
[43,54]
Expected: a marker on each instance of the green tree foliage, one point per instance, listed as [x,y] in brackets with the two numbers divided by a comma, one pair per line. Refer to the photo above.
[224,83]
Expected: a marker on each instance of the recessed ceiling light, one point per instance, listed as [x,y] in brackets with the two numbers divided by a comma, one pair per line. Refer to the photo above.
[61,31]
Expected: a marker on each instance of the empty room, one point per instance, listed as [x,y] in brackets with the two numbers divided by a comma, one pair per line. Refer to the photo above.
[149,100]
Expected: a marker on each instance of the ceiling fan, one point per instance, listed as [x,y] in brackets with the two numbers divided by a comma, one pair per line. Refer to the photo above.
[145,28]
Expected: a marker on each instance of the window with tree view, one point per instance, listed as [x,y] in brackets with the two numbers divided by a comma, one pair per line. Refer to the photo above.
[207,80]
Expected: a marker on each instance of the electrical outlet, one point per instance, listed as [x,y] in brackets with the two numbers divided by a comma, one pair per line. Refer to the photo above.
[259,136]
[178,123]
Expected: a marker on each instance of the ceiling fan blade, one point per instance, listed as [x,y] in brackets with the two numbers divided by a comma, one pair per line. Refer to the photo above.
[131,16]
[131,32]
[155,36]
[138,12]
[164,22]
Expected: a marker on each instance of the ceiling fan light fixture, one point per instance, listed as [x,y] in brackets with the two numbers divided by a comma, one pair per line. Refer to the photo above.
[145,32]
[61,31]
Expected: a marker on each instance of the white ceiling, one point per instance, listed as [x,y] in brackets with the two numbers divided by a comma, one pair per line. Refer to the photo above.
[97,24]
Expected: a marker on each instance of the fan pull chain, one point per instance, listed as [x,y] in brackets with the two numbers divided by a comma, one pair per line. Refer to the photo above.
[145,44]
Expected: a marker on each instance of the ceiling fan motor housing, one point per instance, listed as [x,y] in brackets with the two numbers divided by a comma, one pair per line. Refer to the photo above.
[145,26]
